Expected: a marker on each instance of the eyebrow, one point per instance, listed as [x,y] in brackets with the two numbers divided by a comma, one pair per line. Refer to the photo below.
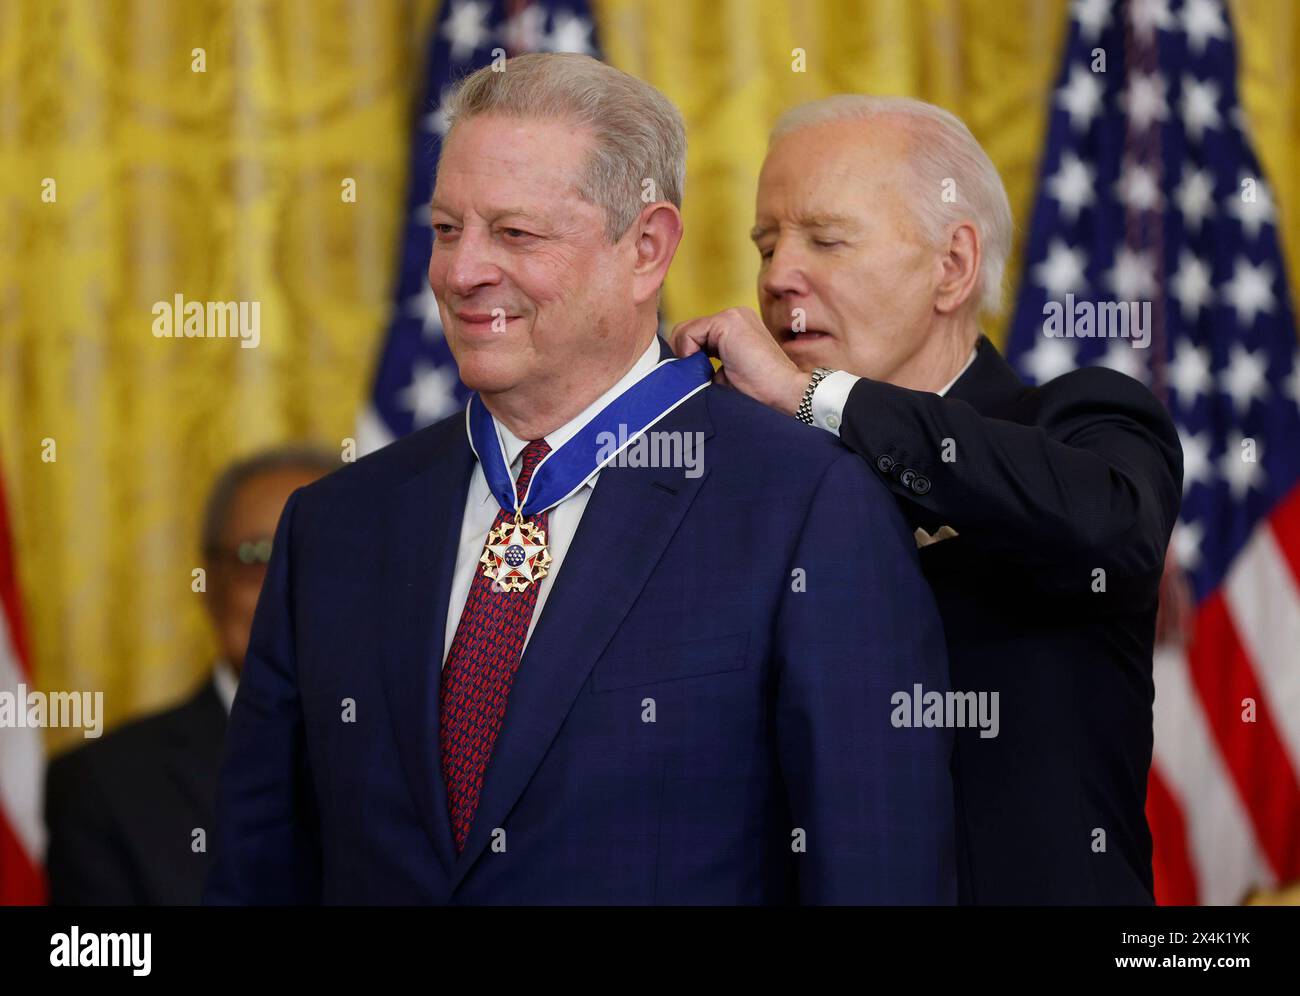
[810,221]
[435,205]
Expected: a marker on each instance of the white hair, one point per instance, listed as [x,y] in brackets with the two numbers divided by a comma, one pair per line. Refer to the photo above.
[639,134]
[944,155]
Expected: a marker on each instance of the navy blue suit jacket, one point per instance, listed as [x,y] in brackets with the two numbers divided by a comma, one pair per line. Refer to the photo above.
[702,713]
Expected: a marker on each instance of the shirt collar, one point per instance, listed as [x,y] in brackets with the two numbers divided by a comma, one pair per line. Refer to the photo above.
[223,676]
[513,446]
[948,386]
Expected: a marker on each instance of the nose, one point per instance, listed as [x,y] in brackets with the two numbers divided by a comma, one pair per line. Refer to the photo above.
[784,273]
[470,264]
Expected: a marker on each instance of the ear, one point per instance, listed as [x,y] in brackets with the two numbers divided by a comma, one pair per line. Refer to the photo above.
[960,269]
[655,235]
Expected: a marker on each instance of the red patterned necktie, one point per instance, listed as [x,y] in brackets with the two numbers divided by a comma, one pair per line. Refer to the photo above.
[480,667]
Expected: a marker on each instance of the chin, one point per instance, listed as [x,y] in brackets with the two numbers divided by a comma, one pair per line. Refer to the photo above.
[482,371]
[808,360]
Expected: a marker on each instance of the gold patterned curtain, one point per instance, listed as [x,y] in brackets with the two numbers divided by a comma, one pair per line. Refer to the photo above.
[227,184]
[218,179]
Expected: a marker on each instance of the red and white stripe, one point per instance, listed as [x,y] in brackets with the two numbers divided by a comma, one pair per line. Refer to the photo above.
[22,832]
[1224,794]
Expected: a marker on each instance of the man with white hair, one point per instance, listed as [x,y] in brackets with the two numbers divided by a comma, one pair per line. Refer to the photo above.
[494,662]
[1042,514]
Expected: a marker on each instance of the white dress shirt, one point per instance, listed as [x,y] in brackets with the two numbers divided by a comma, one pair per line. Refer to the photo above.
[832,394]
[481,508]
[223,676]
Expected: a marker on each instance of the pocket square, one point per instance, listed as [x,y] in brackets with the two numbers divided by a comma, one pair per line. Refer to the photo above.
[926,539]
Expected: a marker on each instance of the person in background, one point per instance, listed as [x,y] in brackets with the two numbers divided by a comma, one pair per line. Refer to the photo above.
[122,811]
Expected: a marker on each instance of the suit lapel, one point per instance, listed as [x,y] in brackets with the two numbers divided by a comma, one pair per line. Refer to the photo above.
[422,534]
[629,520]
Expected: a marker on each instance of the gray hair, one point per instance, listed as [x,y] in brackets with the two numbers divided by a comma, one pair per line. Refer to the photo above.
[295,456]
[944,150]
[639,134]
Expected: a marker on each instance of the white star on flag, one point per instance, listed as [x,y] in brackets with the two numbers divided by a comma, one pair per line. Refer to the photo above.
[1081,97]
[570,34]
[1132,278]
[425,305]
[1137,187]
[1196,459]
[525,31]
[1148,16]
[1187,544]
[1241,473]
[466,28]
[1250,291]
[1071,185]
[1189,373]
[1200,107]
[1195,197]
[1093,16]
[1252,205]
[1203,20]
[1192,285]
[1123,356]
[1062,271]
[1144,100]
[1049,358]
[1245,379]
[431,393]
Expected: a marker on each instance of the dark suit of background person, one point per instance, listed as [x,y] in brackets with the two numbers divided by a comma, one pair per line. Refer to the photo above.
[122,811]
[1047,485]
[772,704]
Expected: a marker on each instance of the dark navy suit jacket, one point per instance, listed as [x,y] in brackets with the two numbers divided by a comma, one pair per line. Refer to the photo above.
[1046,487]
[702,713]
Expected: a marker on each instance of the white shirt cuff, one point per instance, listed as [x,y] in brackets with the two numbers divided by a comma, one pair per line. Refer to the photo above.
[829,398]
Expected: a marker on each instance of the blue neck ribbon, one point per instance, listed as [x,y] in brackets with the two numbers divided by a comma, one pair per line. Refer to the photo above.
[564,470]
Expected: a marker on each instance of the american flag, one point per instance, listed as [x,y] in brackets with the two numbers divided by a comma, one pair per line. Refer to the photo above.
[416,381]
[1150,192]
[22,830]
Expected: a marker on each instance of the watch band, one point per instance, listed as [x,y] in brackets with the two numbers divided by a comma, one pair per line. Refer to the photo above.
[804,412]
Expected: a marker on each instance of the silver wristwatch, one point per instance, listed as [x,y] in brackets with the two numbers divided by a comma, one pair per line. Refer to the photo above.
[804,412]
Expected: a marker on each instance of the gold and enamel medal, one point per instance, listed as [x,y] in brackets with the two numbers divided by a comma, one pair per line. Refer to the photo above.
[515,554]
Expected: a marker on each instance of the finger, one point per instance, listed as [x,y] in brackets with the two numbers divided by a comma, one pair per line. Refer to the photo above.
[694,335]
[681,340]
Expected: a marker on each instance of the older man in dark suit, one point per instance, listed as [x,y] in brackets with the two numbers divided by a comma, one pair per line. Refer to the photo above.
[1042,514]
[495,662]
